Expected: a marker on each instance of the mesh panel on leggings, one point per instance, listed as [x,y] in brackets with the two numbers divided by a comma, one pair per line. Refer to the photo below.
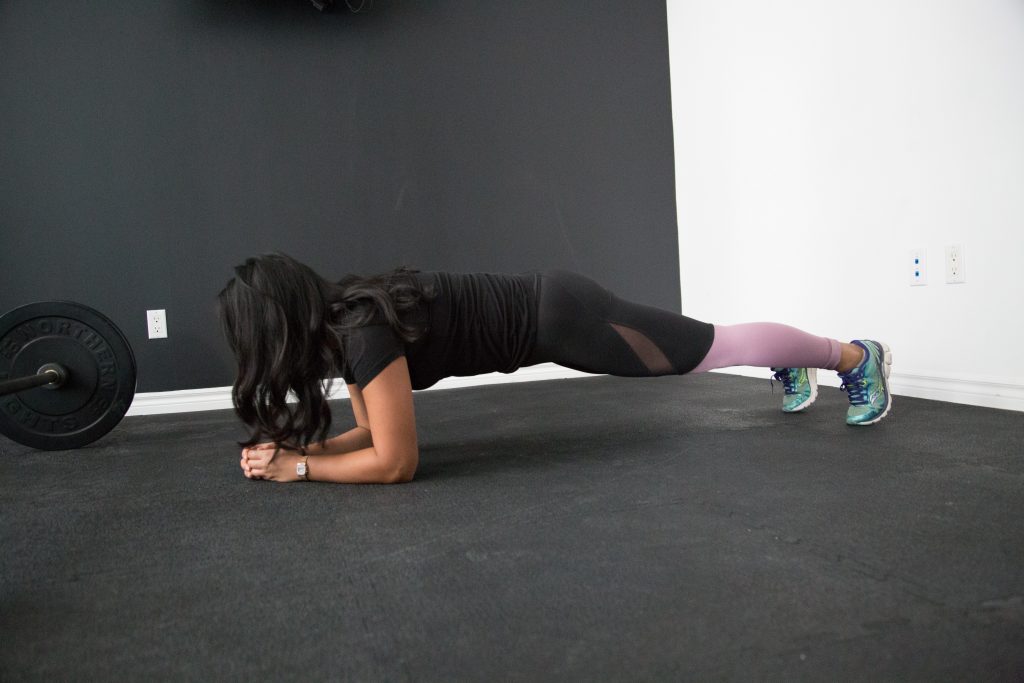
[646,350]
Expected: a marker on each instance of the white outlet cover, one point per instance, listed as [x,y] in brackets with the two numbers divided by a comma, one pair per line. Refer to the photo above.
[156,321]
[956,272]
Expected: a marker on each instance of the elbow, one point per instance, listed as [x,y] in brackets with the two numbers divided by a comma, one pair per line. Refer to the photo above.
[401,470]
[399,475]
[403,477]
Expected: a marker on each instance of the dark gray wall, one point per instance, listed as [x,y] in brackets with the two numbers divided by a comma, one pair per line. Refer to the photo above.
[147,147]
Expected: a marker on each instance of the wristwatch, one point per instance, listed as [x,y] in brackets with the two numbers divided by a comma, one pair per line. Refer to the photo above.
[302,469]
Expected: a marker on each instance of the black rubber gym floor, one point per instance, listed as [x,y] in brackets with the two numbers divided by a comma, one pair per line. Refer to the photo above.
[596,529]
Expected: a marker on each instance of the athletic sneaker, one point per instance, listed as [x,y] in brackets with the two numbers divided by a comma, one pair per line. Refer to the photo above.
[867,385]
[801,387]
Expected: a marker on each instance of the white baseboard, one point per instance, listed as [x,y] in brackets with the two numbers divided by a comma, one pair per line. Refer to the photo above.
[975,391]
[970,391]
[219,398]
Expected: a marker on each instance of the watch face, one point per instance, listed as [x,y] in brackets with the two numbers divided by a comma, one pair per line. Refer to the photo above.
[300,469]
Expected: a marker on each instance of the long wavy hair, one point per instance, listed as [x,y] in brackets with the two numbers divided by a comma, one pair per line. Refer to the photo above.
[286,326]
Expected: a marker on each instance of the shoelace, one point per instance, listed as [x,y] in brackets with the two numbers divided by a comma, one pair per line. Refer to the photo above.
[787,379]
[856,387]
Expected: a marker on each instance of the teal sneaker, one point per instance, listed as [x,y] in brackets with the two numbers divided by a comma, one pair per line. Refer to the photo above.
[801,386]
[867,385]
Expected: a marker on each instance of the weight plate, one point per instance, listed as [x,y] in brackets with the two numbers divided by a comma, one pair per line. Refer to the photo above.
[99,363]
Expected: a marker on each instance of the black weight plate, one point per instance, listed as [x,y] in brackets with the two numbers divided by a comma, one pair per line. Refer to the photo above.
[100,366]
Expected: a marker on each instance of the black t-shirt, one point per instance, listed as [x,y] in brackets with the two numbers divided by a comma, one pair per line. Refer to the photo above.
[476,323]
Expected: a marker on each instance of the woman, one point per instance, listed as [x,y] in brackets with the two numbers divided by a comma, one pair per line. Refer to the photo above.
[386,335]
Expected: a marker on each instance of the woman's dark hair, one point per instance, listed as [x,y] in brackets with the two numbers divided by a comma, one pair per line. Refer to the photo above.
[286,326]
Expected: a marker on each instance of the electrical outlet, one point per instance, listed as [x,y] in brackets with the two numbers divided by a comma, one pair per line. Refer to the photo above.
[955,271]
[157,321]
[918,268]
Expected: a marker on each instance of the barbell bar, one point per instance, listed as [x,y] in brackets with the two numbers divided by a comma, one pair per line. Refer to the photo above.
[50,376]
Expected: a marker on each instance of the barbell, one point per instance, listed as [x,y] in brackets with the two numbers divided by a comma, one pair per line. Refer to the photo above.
[67,375]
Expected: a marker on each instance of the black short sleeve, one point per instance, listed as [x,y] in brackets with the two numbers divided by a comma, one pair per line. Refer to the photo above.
[368,350]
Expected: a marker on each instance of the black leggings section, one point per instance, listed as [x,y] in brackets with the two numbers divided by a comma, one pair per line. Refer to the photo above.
[583,326]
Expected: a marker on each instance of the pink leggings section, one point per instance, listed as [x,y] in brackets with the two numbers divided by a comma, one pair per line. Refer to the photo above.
[769,345]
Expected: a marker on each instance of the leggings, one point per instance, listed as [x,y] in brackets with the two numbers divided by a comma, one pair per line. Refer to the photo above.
[583,326]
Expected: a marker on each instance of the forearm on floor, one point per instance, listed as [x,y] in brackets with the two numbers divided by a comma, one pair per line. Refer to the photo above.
[354,439]
[363,466]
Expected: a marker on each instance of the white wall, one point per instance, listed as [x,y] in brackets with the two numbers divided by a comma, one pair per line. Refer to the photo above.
[818,141]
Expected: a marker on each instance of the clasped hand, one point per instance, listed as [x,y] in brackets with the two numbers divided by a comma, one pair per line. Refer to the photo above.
[267,461]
